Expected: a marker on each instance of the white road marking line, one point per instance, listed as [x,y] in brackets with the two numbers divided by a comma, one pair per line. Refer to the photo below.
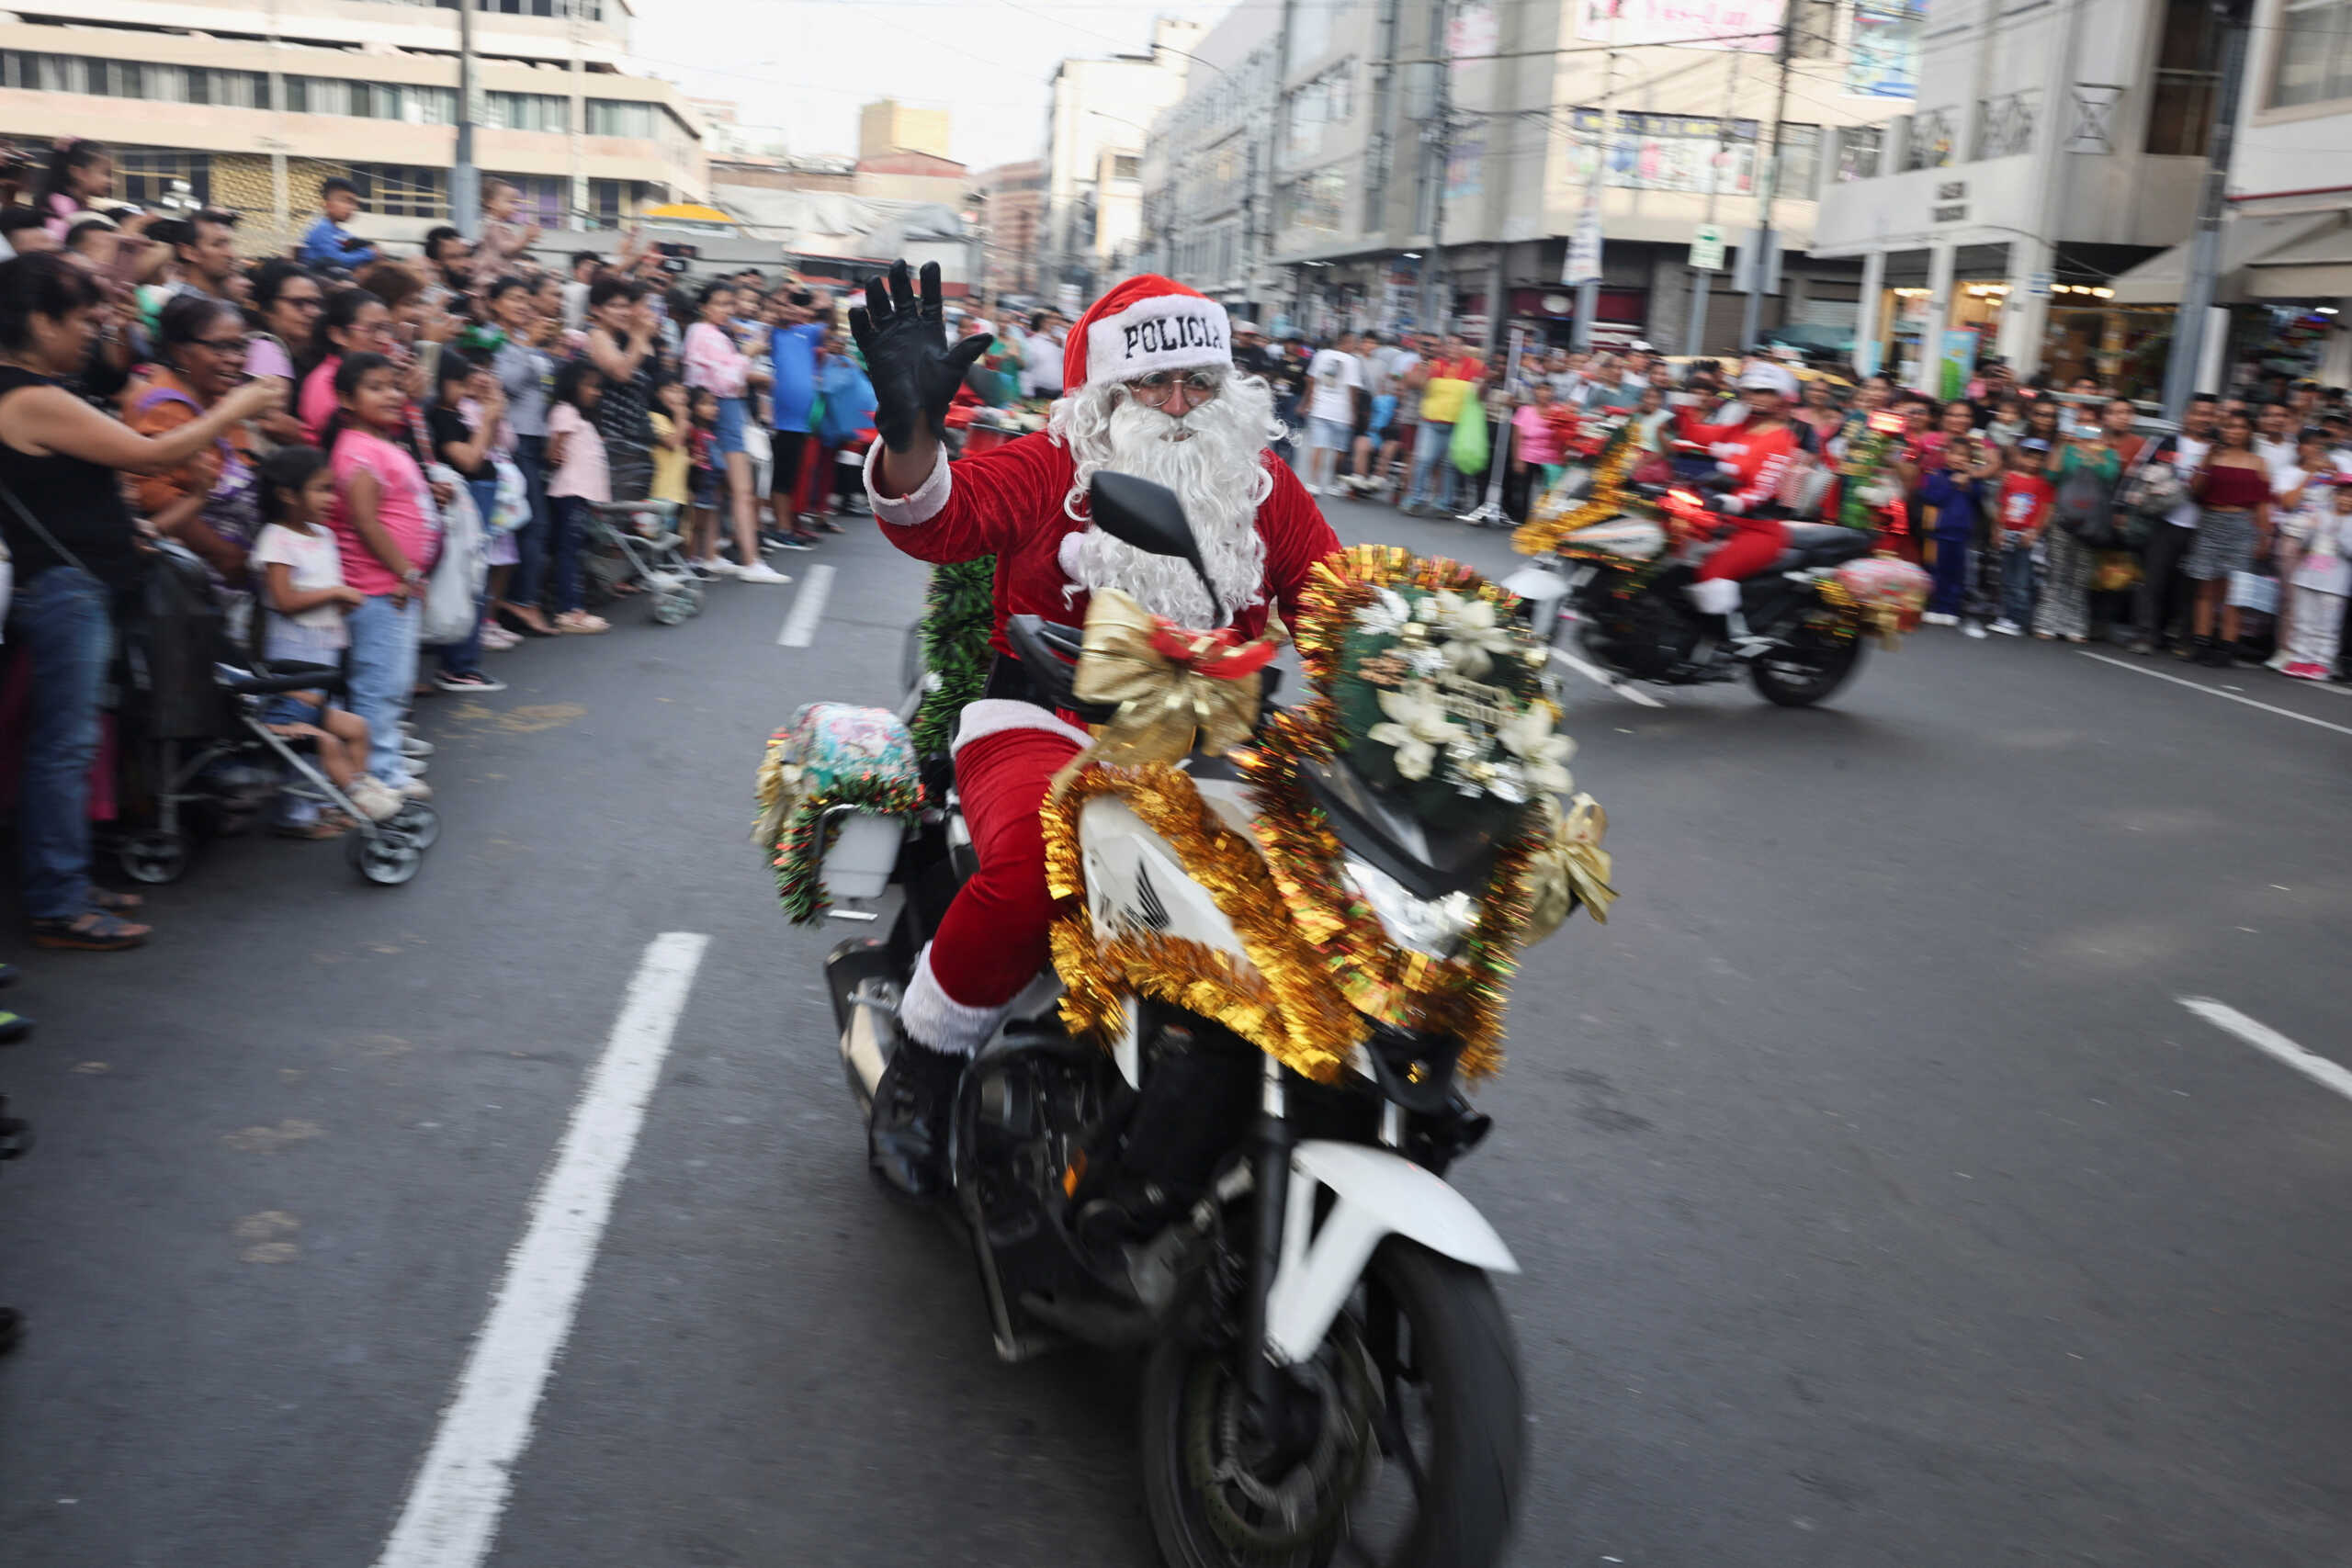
[1599,676]
[2211,691]
[454,1503]
[2270,1042]
[808,609]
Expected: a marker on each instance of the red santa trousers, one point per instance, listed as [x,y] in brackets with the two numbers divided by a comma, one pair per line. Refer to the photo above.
[1755,543]
[993,940]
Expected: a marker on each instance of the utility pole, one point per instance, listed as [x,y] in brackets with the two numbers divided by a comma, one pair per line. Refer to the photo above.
[1589,220]
[1751,318]
[1694,340]
[1441,141]
[2205,245]
[465,179]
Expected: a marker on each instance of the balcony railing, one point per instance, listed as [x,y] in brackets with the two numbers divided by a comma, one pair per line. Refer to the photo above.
[2005,125]
[1934,141]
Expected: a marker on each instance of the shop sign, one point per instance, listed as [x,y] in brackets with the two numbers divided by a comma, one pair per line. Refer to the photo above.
[1707,248]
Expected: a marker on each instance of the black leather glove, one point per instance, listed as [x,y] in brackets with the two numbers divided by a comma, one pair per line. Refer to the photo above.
[914,373]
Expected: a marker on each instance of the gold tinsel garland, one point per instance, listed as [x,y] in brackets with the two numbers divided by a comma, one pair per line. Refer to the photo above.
[1541,536]
[1313,1030]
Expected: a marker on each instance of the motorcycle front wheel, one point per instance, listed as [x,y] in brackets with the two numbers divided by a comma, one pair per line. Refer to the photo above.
[1418,1461]
[1807,671]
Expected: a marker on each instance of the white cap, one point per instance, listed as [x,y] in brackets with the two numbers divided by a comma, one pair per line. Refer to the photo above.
[1769,378]
[1638,346]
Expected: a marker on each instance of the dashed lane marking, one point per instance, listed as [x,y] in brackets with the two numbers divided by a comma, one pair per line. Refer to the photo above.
[452,1512]
[1601,677]
[2211,691]
[2270,1042]
[808,609]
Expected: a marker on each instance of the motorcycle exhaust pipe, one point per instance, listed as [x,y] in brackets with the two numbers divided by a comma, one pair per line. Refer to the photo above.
[868,1042]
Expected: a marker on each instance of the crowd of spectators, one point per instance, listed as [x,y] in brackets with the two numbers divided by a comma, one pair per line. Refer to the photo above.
[303,425]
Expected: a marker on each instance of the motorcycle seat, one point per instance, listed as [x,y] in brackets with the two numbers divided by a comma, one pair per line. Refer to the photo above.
[1824,544]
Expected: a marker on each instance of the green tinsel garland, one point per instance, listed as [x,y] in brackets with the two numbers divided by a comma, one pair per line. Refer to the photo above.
[958,615]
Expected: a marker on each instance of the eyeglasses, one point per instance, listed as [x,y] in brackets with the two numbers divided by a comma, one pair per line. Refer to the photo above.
[223,344]
[1154,389]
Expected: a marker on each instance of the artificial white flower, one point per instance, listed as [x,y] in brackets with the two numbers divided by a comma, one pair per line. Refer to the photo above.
[1544,753]
[1386,614]
[1417,728]
[1473,637]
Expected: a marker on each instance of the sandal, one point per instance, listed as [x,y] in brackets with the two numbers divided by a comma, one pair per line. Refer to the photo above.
[580,623]
[114,902]
[326,824]
[514,620]
[93,931]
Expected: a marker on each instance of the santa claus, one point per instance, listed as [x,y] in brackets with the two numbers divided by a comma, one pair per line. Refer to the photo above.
[1149,388]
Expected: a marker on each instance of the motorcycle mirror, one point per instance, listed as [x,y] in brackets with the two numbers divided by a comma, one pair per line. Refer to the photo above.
[1149,517]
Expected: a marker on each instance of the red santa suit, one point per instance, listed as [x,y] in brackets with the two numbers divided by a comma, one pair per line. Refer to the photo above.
[1015,503]
[1760,459]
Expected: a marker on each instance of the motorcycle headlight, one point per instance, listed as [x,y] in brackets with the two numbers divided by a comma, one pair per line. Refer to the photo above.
[1434,927]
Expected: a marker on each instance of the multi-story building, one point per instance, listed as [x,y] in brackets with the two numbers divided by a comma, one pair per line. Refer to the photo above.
[1012,201]
[1430,159]
[1208,168]
[1096,121]
[254,106]
[886,126]
[2286,260]
[2053,148]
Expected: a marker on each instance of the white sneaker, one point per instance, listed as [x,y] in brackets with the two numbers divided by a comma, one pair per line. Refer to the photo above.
[415,789]
[2276,661]
[1973,628]
[760,573]
[373,798]
[413,747]
[1314,489]
[1937,618]
[2007,627]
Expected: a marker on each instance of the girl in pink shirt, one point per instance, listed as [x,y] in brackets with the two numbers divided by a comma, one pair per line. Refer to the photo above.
[388,530]
[578,478]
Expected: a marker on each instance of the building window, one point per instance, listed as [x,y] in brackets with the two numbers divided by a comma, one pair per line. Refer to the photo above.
[402,190]
[1315,205]
[527,111]
[147,176]
[1858,148]
[1932,144]
[2314,53]
[623,116]
[1328,100]
[371,100]
[1666,152]
[133,79]
[2180,109]
[1800,163]
[607,203]
[1125,166]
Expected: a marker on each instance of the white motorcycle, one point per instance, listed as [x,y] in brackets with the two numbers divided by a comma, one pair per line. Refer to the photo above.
[1328,1363]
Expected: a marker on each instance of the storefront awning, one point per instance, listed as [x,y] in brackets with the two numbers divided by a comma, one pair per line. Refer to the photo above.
[2317,266]
[2244,242]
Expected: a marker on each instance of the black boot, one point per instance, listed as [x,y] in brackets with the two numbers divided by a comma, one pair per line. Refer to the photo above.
[914,1105]
[2212,653]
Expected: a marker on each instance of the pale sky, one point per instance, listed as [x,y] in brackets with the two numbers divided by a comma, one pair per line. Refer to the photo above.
[806,65]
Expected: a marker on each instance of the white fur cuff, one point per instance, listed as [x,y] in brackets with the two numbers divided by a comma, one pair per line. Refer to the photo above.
[988,716]
[931,1017]
[908,511]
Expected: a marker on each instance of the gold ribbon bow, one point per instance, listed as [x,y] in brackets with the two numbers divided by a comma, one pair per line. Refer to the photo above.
[1570,868]
[1177,690]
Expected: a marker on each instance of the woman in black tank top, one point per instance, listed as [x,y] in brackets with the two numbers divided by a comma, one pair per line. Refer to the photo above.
[74,550]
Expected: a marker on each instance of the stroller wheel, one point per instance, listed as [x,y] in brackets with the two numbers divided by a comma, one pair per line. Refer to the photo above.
[154,857]
[672,606]
[419,821]
[386,857]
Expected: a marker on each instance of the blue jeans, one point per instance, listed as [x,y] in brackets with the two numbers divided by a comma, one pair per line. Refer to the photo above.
[1950,574]
[2017,582]
[529,579]
[464,656]
[62,620]
[383,669]
[571,530]
[1433,448]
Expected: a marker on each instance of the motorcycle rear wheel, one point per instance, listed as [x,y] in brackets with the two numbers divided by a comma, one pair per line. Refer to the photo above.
[1429,1339]
[1807,672]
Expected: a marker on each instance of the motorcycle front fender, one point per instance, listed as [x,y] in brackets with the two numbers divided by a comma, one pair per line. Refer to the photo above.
[1376,1193]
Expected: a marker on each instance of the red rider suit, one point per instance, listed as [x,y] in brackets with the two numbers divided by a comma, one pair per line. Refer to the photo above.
[1760,459]
[1009,502]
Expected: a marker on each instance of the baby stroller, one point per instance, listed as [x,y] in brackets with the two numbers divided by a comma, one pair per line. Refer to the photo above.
[643,535]
[197,707]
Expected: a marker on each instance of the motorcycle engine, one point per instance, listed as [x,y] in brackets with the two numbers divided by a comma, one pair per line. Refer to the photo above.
[1645,632]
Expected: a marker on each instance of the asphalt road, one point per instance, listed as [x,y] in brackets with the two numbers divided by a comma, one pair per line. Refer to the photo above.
[1880,1203]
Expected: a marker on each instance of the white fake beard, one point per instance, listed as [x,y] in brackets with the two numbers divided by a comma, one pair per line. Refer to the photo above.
[1218,472]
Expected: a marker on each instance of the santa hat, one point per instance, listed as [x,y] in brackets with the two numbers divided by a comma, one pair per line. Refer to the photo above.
[1146,323]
